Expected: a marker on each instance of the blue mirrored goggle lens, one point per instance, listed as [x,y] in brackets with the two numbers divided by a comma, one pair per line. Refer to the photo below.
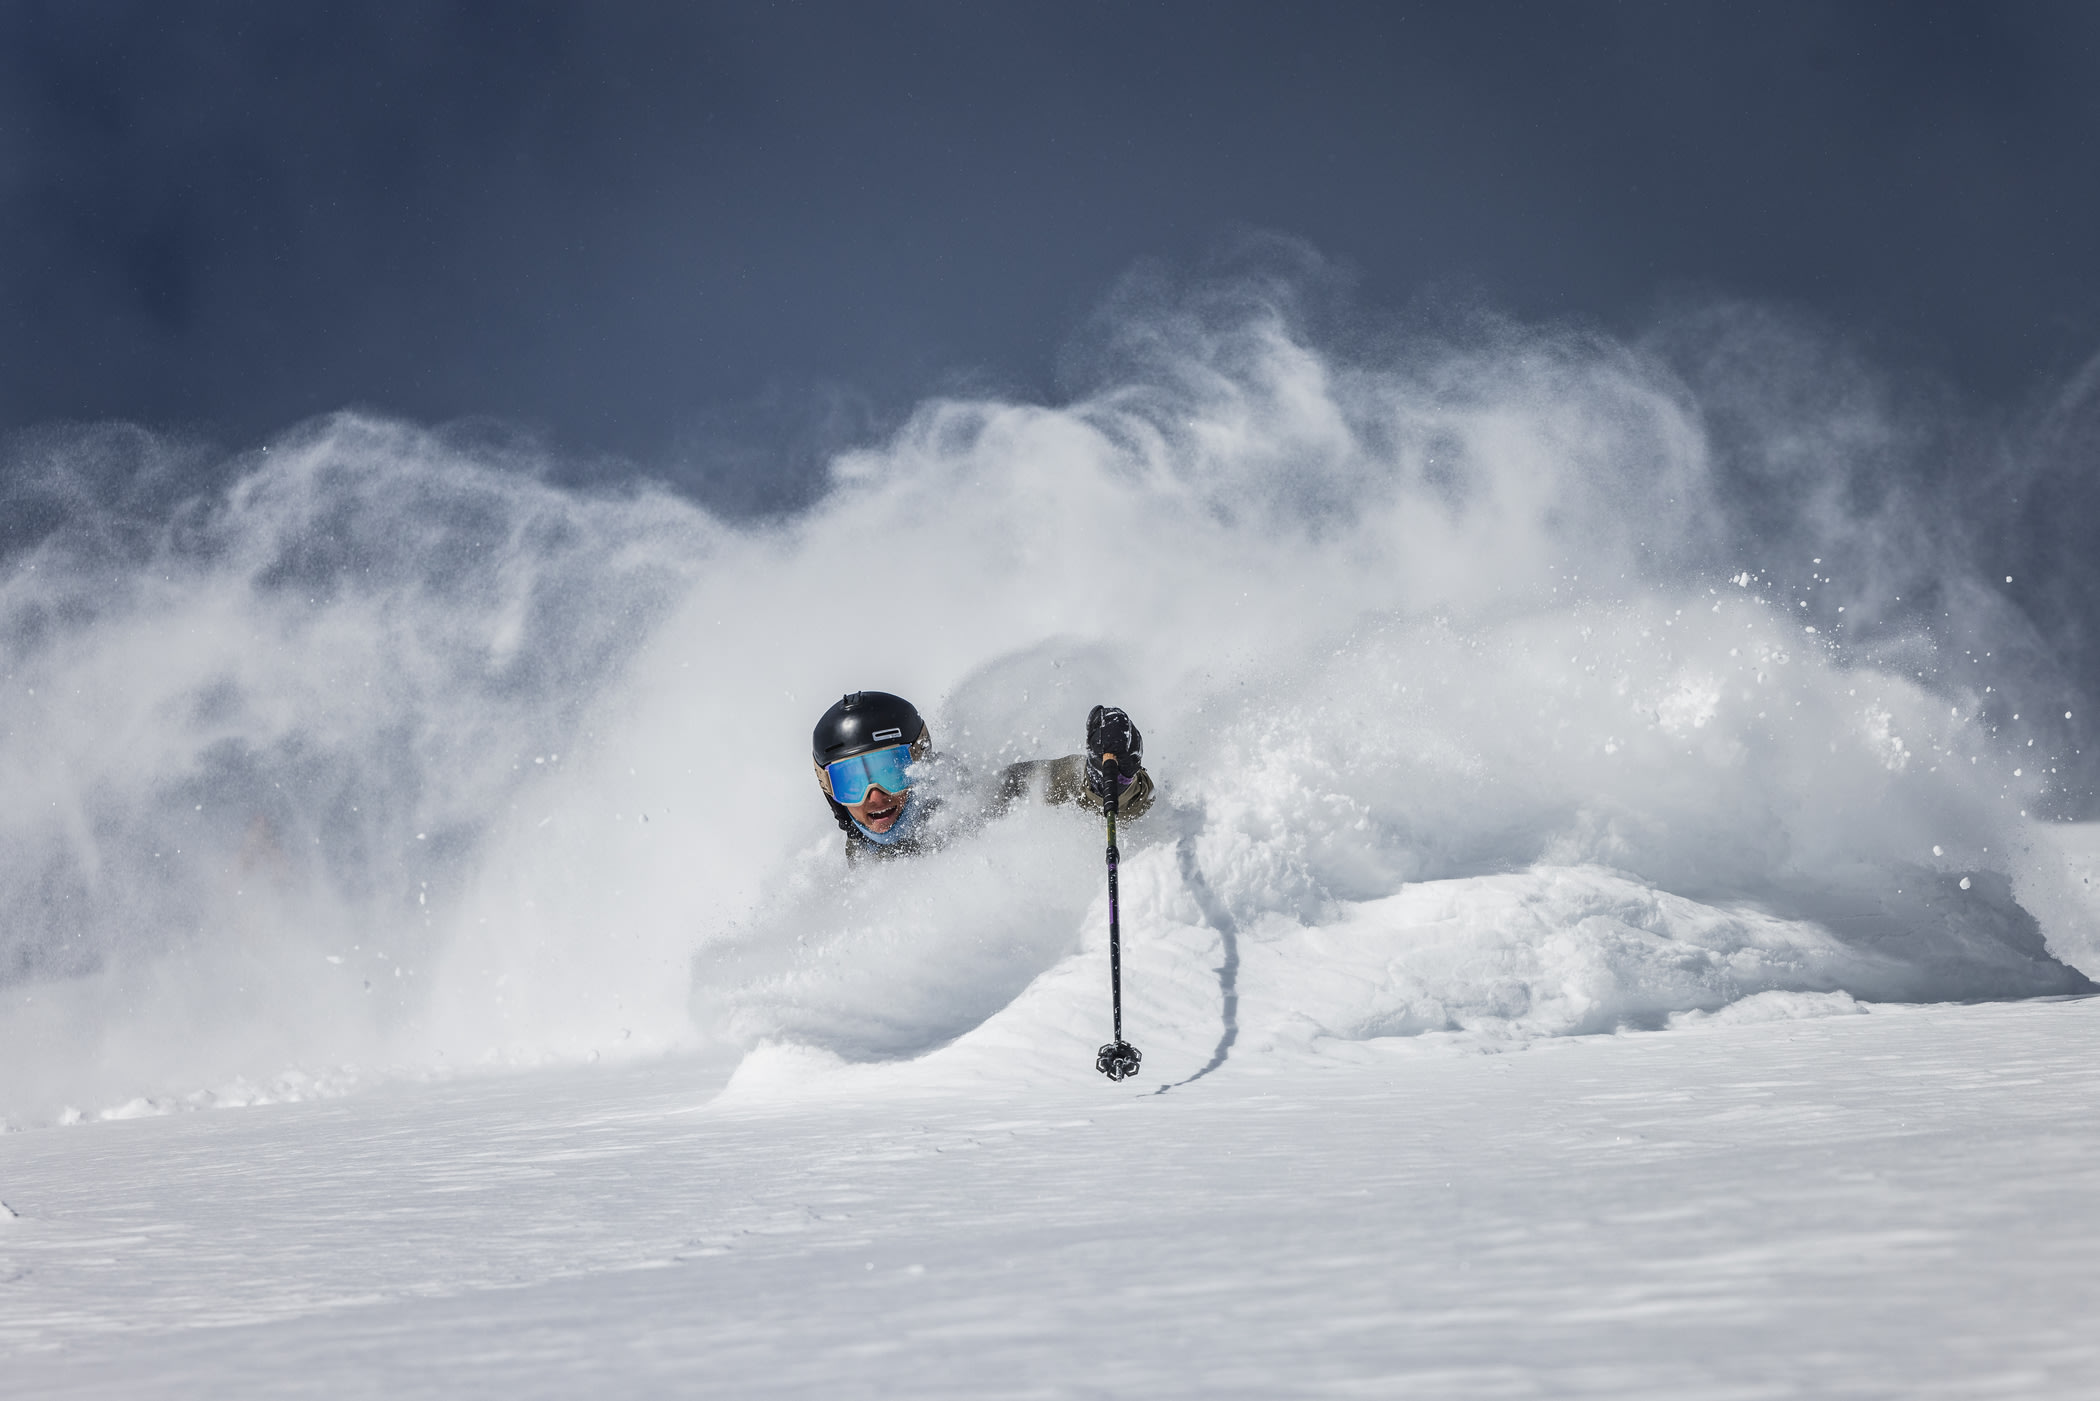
[888,769]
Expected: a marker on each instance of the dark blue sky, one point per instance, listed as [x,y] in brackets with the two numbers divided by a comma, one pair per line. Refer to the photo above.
[644,228]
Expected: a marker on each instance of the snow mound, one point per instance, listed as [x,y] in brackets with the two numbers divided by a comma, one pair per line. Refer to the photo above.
[1773,1006]
[1488,962]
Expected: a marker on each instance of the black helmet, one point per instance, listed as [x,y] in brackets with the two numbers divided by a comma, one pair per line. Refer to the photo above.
[862,721]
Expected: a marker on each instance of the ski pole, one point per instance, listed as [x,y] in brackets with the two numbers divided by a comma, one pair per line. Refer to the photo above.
[1118,1060]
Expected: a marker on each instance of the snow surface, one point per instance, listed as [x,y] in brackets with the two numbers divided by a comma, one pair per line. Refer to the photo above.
[1550,752]
[1889,1201]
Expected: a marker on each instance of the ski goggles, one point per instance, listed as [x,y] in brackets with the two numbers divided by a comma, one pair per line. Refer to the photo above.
[888,769]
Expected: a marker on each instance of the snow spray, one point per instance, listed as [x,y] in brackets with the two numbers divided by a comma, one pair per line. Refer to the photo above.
[1501,682]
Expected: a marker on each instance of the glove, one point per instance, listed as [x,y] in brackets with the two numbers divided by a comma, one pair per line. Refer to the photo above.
[1109,731]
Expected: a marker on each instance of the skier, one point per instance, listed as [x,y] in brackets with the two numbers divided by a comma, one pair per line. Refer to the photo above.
[874,757]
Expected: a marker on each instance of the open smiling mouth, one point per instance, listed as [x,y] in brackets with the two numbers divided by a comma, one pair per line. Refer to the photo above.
[878,814]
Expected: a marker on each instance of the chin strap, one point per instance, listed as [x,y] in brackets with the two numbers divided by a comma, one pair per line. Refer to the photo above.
[838,812]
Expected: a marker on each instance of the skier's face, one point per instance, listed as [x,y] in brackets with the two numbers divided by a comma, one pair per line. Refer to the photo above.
[879,811]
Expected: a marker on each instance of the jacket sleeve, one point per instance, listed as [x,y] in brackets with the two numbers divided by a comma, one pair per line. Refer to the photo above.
[1064,781]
